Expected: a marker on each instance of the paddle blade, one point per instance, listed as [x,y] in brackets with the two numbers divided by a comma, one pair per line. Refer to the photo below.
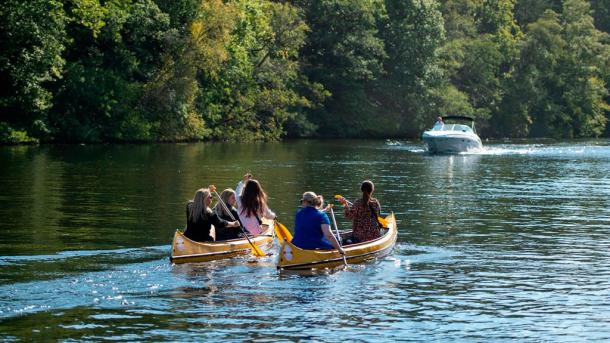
[382,221]
[340,198]
[282,232]
[256,251]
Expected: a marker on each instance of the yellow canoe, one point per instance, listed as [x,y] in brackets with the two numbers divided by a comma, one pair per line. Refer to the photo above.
[185,250]
[292,257]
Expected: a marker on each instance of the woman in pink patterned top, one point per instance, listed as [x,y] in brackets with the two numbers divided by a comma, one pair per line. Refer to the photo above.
[363,213]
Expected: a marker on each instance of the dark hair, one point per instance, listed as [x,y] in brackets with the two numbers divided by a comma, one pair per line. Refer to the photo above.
[253,198]
[367,188]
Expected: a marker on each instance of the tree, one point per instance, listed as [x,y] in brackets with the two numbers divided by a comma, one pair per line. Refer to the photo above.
[559,89]
[480,65]
[413,33]
[114,52]
[343,52]
[601,14]
[582,69]
[32,39]
[529,11]
[253,94]
[529,92]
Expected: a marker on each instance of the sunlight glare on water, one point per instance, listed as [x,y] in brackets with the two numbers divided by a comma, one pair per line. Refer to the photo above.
[508,243]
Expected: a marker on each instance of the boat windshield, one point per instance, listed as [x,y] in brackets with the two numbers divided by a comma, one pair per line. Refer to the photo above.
[452,127]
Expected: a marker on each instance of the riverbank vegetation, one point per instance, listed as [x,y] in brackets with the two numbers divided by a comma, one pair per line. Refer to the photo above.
[179,70]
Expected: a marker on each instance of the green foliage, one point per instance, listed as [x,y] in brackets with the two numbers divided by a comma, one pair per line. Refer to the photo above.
[558,90]
[32,39]
[413,33]
[480,65]
[254,93]
[114,57]
[11,136]
[529,11]
[174,70]
[344,53]
[582,69]
[460,19]
[601,14]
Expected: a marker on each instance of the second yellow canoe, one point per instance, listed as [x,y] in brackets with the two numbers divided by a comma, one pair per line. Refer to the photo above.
[293,257]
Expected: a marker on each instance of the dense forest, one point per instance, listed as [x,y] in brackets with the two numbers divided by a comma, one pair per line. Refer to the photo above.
[240,70]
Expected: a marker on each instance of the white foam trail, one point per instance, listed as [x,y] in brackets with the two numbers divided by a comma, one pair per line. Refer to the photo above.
[62,255]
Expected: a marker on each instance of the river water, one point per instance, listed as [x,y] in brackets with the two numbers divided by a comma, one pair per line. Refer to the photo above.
[511,243]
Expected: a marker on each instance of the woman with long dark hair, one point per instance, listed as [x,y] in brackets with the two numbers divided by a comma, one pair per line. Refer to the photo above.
[252,205]
[363,213]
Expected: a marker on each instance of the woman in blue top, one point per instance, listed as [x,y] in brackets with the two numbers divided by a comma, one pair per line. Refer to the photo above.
[312,226]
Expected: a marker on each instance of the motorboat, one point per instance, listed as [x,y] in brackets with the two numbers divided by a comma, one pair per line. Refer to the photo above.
[454,135]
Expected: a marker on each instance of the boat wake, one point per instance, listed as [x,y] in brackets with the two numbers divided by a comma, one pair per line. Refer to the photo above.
[63,255]
[589,149]
[68,279]
[543,150]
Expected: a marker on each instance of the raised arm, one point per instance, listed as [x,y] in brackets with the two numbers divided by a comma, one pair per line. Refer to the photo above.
[349,210]
[240,187]
[269,214]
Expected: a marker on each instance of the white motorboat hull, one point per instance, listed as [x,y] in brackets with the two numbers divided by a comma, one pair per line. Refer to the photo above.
[451,142]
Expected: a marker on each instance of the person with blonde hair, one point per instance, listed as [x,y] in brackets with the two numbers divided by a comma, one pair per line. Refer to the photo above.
[252,205]
[320,204]
[312,226]
[200,218]
[228,213]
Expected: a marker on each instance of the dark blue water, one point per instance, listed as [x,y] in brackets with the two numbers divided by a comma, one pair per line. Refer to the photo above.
[511,243]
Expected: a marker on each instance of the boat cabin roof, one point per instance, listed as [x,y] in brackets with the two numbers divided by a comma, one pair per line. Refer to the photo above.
[466,118]
[452,127]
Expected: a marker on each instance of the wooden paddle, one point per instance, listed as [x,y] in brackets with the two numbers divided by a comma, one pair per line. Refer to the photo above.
[381,220]
[332,213]
[256,251]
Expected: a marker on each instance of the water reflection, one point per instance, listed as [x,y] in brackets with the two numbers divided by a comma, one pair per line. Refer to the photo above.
[507,244]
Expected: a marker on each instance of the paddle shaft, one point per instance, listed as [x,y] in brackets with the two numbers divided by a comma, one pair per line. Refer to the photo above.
[335,225]
[231,215]
[332,214]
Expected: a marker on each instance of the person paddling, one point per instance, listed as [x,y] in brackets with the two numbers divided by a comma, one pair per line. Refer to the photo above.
[200,218]
[229,213]
[312,226]
[363,213]
[252,205]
